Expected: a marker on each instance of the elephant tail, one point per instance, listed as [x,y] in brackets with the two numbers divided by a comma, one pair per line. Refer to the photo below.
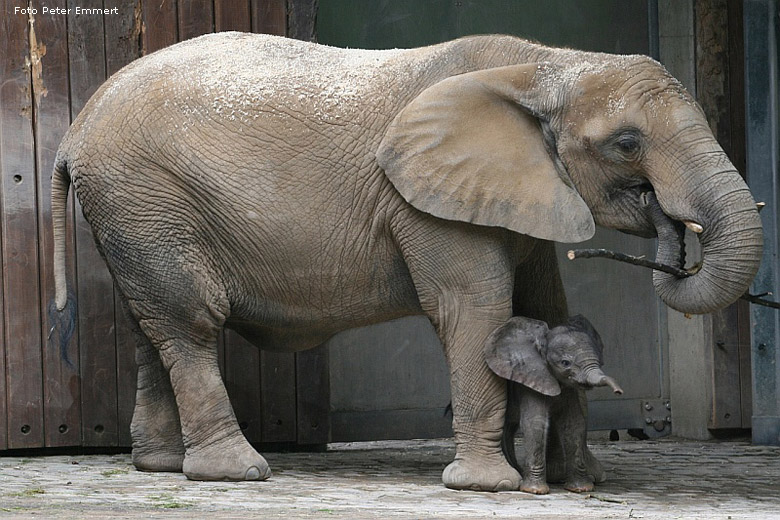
[62,322]
[60,185]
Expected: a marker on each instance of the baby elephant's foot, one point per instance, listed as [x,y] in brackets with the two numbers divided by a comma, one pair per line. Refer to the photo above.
[235,461]
[537,487]
[481,474]
[579,485]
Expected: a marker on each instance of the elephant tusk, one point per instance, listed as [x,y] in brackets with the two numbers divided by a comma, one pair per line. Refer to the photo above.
[693,226]
[760,206]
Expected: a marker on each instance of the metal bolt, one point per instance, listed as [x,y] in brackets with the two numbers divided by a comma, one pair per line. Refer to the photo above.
[648,420]
[668,405]
[762,346]
[648,406]
[669,420]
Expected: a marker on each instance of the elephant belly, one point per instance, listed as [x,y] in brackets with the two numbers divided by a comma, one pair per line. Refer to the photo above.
[303,305]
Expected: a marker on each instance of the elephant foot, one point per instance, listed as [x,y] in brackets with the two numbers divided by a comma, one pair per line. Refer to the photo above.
[158,453]
[579,485]
[145,460]
[237,461]
[595,469]
[534,486]
[481,474]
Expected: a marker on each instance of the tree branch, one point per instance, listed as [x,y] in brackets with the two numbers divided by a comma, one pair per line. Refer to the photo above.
[643,262]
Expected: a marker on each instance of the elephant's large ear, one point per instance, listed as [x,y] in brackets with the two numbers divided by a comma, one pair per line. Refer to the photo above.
[470,149]
[514,351]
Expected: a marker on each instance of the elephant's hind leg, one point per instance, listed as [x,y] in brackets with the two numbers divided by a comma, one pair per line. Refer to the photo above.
[181,311]
[155,429]
[215,448]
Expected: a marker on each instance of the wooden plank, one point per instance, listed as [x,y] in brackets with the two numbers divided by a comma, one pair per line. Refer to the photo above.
[22,330]
[3,393]
[160,28]
[127,372]
[745,368]
[269,17]
[232,15]
[123,45]
[61,389]
[97,333]
[301,18]
[277,379]
[313,396]
[242,380]
[195,18]
[122,33]
[719,59]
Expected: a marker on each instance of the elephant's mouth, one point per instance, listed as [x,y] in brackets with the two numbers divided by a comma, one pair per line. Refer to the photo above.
[671,233]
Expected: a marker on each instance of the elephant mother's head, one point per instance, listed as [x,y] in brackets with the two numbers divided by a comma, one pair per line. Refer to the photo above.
[545,149]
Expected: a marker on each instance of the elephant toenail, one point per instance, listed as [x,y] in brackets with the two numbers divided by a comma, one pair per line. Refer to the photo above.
[253,474]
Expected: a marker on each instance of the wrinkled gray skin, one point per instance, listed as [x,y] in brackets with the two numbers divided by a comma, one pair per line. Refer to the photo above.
[548,373]
[289,191]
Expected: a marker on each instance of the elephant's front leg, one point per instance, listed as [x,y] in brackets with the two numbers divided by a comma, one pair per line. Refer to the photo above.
[479,404]
[463,276]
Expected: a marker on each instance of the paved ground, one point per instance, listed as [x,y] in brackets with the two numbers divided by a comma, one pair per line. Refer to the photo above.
[401,479]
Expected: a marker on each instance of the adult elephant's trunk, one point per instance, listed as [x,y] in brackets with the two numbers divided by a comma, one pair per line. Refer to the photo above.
[731,241]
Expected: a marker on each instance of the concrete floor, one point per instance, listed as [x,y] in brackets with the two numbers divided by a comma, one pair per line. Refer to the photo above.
[401,479]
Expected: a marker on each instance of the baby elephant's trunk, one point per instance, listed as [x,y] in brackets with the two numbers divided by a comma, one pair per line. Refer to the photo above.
[598,378]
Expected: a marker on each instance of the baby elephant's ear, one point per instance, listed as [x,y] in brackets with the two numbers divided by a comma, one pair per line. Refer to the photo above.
[514,351]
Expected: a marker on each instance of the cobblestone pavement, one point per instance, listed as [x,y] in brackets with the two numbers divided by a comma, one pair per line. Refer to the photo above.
[662,479]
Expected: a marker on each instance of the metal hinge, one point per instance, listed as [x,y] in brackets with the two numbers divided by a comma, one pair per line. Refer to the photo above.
[658,417]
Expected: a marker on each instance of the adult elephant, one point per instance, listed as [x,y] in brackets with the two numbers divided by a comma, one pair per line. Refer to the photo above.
[289,190]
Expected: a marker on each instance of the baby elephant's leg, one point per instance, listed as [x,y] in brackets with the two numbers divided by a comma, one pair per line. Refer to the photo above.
[535,421]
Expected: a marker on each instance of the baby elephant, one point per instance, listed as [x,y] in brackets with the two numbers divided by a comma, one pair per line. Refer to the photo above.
[549,371]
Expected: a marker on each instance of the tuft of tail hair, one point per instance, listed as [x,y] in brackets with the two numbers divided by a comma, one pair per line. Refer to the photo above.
[63,325]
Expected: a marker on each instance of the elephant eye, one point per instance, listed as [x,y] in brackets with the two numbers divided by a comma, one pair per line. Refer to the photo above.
[628,143]
[565,363]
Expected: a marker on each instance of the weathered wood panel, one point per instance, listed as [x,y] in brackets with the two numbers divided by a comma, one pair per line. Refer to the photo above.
[22,330]
[277,380]
[269,16]
[159,25]
[62,392]
[195,18]
[20,244]
[84,393]
[123,45]
[301,19]
[720,91]
[232,15]
[313,396]
[95,294]
[242,380]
